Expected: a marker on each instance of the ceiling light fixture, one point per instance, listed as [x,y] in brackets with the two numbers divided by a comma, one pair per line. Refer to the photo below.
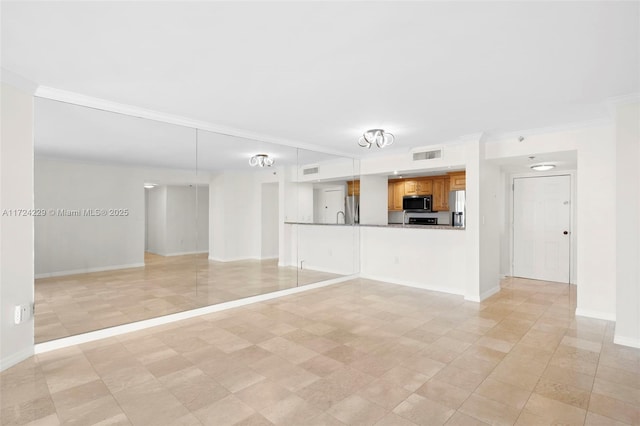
[150,185]
[261,160]
[543,167]
[377,136]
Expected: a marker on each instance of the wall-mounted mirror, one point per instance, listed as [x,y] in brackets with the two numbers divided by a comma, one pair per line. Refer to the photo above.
[118,242]
[145,218]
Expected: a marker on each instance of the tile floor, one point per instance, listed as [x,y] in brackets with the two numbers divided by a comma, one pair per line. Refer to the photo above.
[80,303]
[361,352]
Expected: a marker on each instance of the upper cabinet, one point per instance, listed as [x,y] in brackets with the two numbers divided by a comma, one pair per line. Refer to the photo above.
[458,181]
[396,192]
[437,186]
[425,186]
[410,187]
[353,187]
[440,194]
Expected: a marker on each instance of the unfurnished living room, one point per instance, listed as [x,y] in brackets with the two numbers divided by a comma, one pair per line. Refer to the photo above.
[320,213]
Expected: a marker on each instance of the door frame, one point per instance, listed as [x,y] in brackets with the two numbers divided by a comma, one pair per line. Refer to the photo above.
[573,216]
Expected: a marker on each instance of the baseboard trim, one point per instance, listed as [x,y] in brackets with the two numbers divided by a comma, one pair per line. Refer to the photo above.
[595,314]
[141,325]
[88,270]
[487,294]
[182,253]
[232,259]
[413,284]
[16,358]
[627,341]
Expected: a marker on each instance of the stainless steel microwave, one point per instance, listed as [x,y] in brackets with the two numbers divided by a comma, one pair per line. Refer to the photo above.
[417,202]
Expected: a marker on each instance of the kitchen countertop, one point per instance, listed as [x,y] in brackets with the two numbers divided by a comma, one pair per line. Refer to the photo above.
[390,225]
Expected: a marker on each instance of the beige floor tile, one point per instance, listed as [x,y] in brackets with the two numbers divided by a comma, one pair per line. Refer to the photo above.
[357,410]
[423,411]
[489,411]
[381,338]
[594,419]
[461,419]
[291,410]
[227,411]
[321,365]
[555,411]
[386,394]
[27,411]
[614,408]
[193,388]
[53,420]
[564,393]
[392,419]
[150,403]
[444,393]
[405,378]
[262,394]
[104,410]
[464,379]
[335,387]
[256,419]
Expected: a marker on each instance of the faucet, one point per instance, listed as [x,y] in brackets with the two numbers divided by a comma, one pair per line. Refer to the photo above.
[338,217]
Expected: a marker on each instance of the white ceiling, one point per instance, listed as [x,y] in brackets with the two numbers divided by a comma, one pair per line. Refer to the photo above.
[323,72]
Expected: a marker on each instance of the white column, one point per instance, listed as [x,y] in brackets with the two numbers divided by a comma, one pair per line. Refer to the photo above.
[627,119]
[16,232]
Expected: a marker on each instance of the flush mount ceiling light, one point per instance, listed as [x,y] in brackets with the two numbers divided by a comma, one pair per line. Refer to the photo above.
[377,136]
[261,160]
[150,185]
[543,167]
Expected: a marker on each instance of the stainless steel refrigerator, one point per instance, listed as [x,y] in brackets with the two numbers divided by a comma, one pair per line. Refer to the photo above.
[352,209]
[457,208]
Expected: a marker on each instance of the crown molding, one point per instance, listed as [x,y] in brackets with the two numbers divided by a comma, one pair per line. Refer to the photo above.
[567,127]
[105,105]
[18,81]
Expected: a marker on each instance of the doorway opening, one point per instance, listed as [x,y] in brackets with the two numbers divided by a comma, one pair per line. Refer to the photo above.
[542,228]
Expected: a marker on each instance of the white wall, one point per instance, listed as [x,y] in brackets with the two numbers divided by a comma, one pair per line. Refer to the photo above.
[16,232]
[156,225]
[491,226]
[627,120]
[178,219]
[432,259]
[327,248]
[374,200]
[595,185]
[270,215]
[71,244]
[235,210]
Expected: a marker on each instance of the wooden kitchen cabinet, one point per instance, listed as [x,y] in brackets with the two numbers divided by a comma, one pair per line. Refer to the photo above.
[424,186]
[410,187]
[458,181]
[440,194]
[396,192]
[353,187]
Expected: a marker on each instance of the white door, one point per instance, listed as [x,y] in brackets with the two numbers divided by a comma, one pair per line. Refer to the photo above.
[542,228]
[333,203]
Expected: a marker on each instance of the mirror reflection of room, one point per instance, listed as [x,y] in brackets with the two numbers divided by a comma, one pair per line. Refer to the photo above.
[149,219]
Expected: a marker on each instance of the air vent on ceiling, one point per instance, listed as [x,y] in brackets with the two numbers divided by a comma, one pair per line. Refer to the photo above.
[427,155]
[310,171]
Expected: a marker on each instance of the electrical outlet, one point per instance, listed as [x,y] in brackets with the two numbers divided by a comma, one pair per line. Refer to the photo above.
[22,313]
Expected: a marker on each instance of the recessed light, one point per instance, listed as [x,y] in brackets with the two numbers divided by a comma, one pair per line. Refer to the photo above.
[543,167]
[150,185]
[395,172]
